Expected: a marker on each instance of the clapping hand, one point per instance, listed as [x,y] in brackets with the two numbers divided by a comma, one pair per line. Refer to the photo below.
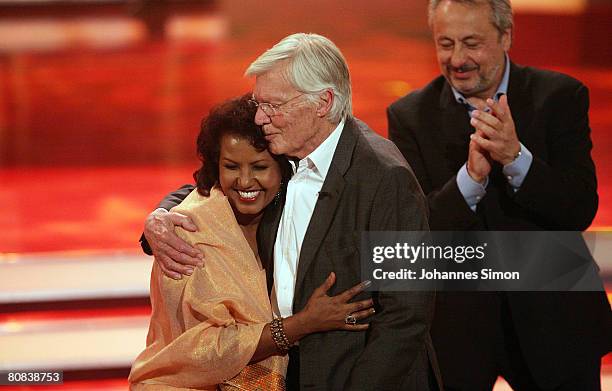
[495,131]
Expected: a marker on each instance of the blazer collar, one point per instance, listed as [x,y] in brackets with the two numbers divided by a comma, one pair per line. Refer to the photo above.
[454,120]
[447,98]
[518,96]
[328,200]
[322,215]
[520,101]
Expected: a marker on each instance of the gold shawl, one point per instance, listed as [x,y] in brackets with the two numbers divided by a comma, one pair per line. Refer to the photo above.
[205,328]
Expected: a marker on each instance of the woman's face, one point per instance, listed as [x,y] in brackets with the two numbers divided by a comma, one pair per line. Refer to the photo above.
[250,179]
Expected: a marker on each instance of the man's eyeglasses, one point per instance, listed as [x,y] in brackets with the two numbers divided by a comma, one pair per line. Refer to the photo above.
[271,109]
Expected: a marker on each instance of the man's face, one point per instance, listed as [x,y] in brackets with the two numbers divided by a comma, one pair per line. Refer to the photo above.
[293,130]
[470,49]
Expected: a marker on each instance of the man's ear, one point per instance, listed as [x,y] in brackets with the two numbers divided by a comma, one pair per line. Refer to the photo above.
[506,40]
[326,101]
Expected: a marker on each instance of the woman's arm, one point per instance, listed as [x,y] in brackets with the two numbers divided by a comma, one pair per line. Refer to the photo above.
[322,313]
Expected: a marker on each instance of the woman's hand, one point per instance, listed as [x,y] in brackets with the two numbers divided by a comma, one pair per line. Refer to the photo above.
[323,313]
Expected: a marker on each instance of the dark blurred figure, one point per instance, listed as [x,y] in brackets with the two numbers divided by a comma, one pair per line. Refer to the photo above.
[154,14]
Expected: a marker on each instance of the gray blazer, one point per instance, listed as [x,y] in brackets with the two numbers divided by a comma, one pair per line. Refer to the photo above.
[369,187]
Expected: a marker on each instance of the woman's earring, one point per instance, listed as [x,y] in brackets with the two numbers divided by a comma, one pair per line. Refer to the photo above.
[278,195]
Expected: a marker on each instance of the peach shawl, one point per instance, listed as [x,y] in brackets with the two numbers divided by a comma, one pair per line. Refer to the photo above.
[205,328]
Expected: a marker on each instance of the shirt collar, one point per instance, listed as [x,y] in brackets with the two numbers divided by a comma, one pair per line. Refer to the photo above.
[501,90]
[320,159]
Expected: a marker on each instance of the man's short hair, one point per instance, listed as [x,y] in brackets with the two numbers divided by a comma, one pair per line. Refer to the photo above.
[501,12]
[312,64]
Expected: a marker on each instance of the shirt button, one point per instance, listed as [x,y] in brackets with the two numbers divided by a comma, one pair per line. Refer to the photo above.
[477,198]
[509,177]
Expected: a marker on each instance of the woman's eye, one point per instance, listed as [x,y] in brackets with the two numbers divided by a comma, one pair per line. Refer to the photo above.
[230,166]
[260,167]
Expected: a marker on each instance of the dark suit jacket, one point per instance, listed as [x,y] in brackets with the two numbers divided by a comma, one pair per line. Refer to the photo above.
[558,332]
[369,186]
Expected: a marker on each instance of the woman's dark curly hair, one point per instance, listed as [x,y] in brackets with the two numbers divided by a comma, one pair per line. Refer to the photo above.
[235,117]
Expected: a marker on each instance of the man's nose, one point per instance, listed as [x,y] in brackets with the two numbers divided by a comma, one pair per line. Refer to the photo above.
[261,118]
[458,57]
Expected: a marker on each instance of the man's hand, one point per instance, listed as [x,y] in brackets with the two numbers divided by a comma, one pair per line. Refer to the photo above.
[174,256]
[478,164]
[496,133]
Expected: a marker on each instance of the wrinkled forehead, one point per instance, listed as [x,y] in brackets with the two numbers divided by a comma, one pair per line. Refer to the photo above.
[482,6]
[273,86]
[459,19]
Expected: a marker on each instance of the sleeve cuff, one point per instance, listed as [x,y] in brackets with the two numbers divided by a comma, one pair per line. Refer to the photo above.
[471,190]
[516,171]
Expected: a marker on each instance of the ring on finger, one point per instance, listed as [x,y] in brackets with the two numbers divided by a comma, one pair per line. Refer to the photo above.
[350,319]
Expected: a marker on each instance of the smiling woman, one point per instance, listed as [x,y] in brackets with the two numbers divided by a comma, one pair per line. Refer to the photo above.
[191,322]
[232,121]
[234,154]
[248,177]
[214,329]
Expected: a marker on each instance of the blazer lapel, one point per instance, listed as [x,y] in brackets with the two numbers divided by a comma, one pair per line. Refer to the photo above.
[327,202]
[455,130]
[520,103]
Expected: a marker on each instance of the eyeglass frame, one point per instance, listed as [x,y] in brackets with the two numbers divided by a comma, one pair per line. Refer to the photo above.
[274,107]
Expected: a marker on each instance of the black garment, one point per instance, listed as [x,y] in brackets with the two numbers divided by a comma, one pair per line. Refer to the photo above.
[293,370]
[559,334]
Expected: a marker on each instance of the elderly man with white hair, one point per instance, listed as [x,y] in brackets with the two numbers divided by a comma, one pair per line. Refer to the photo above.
[347,180]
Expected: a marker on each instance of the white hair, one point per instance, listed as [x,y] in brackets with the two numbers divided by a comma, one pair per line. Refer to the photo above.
[312,64]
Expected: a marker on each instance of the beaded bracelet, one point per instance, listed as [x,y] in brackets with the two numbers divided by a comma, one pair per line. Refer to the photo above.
[278,335]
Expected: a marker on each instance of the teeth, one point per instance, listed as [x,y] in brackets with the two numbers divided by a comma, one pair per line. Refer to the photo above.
[248,194]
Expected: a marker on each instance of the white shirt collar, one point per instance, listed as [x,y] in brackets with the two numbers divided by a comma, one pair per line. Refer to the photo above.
[320,159]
